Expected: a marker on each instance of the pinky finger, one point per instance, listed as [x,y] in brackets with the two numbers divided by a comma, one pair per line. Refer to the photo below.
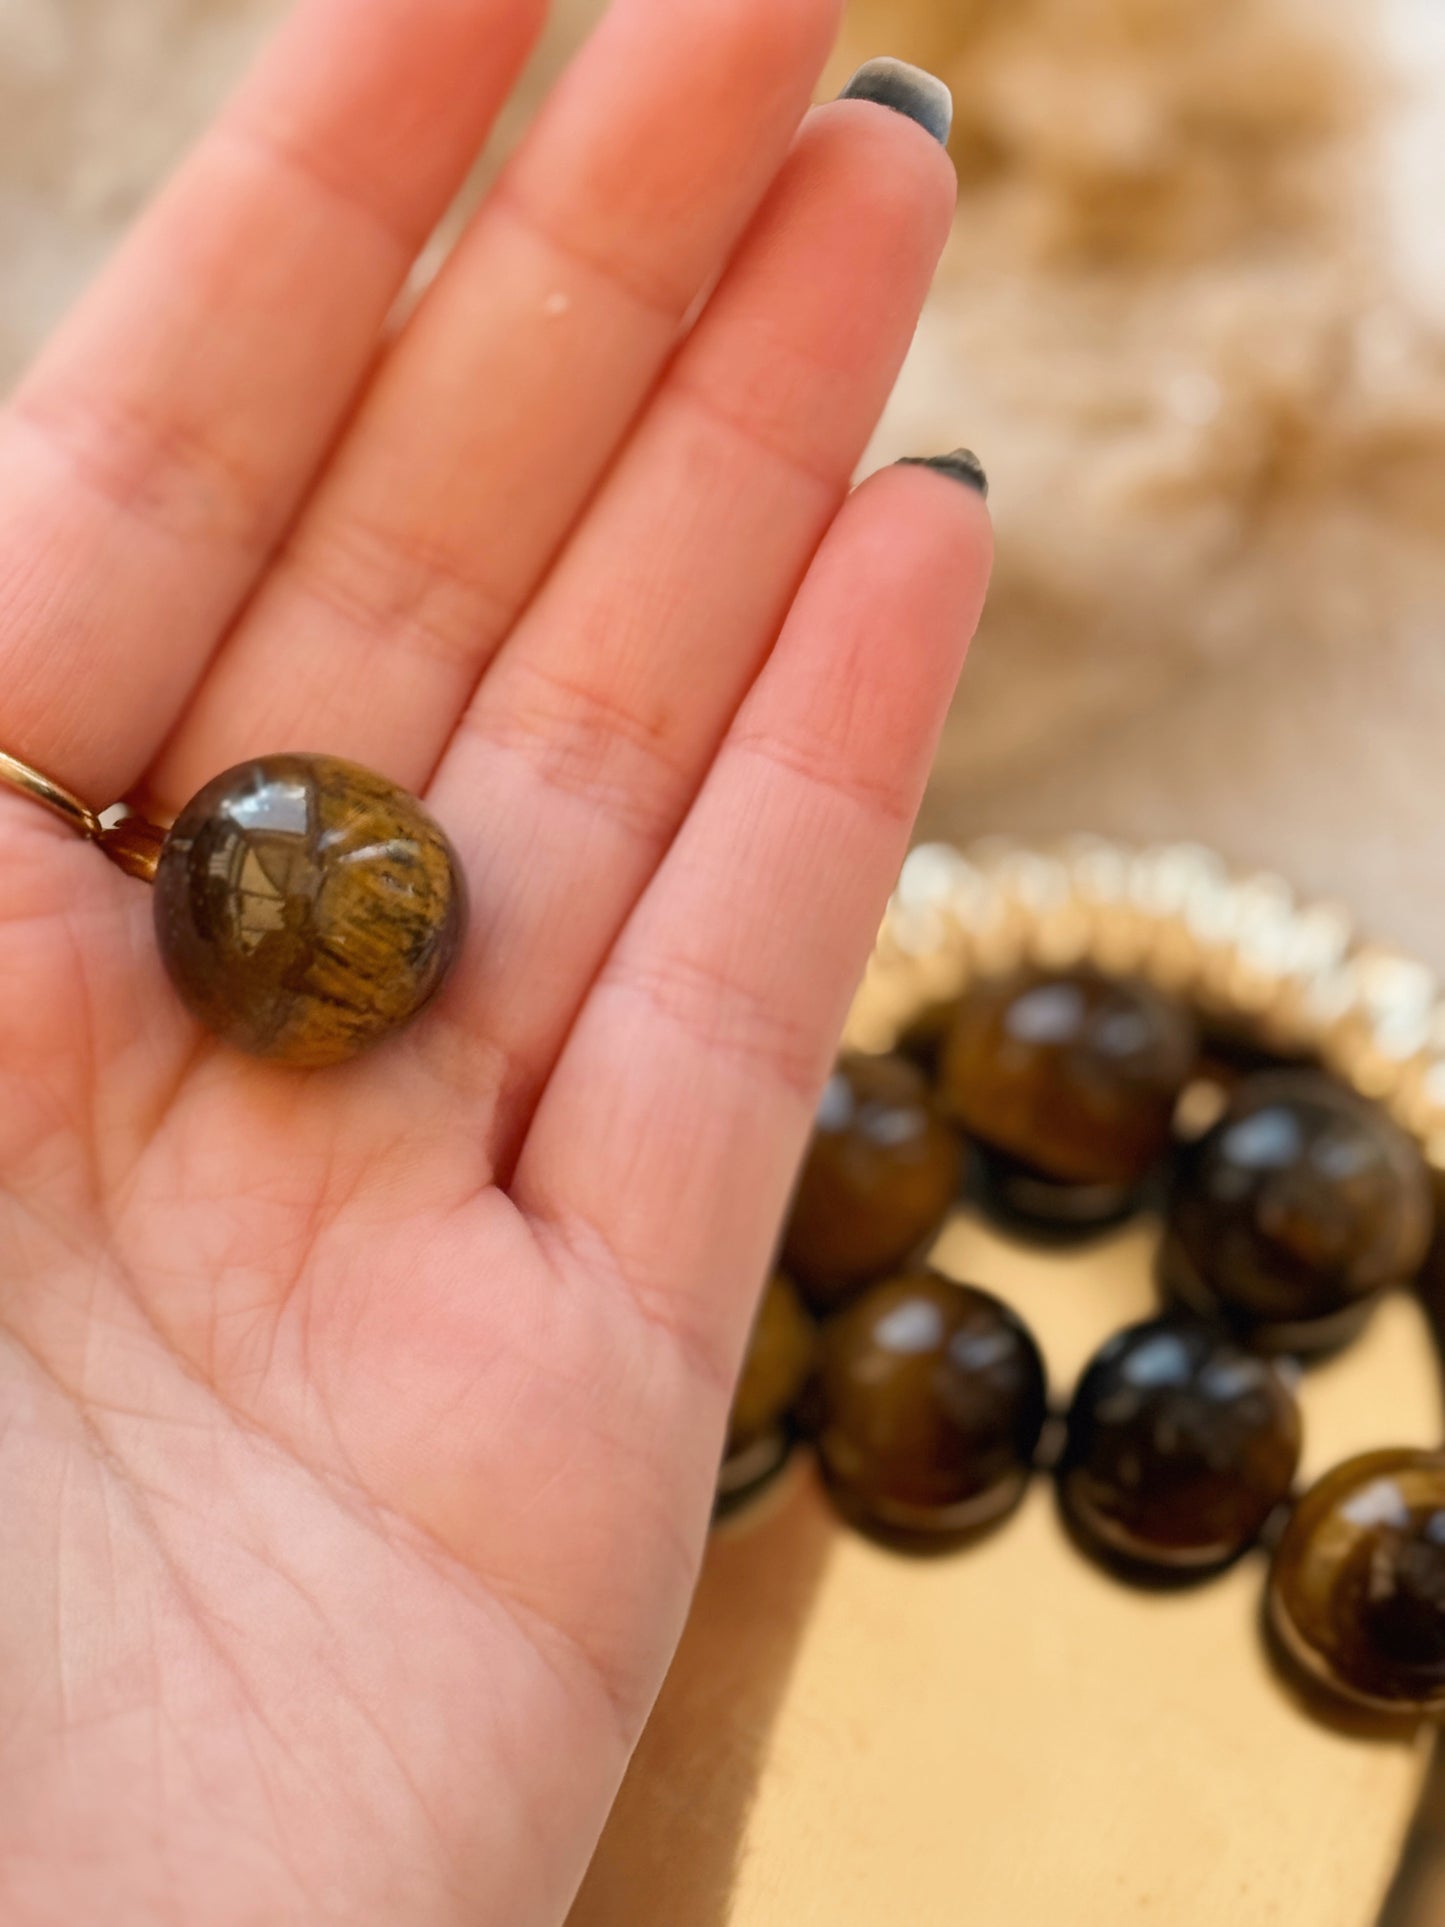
[665,1145]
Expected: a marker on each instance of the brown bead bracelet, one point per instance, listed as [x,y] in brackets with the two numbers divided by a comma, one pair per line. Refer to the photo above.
[1068,1038]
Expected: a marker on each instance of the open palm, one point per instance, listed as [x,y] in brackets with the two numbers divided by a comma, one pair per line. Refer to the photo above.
[359,1426]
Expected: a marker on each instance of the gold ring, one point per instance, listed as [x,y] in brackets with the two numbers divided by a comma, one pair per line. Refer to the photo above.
[50,795]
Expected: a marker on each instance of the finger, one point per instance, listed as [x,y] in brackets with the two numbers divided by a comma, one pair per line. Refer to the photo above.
[493,418]
[666,1141]
[596,724]
[154,453]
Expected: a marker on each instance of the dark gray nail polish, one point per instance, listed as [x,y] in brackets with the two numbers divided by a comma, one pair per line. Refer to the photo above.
[963,465]
[906,90]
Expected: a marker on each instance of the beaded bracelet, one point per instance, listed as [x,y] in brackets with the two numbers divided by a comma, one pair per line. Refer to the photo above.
[1068,1037]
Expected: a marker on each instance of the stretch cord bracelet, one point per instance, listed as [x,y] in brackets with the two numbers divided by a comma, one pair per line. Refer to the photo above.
[1068,1037]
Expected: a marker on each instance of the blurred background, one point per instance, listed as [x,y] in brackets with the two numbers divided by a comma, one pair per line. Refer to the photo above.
[1192,318]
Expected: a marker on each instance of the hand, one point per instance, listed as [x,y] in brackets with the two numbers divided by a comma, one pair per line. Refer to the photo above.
[360,1426]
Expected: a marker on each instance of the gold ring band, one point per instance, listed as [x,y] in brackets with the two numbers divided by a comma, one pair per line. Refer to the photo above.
[50,795]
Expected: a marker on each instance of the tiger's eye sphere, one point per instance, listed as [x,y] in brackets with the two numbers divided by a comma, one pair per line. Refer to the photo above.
[1180,1446]
[1357,1589]
[932,1398]
[1070,1079]
[306,908]
[1295,1210]
[881,1173]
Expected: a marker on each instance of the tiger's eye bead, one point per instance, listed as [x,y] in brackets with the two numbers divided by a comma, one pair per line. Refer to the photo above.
[777,1370]
[1295,1211]
[1357,1589]
[306,908]
[881,1173]
[1180,1446]
[932,1399]
[1070,1081]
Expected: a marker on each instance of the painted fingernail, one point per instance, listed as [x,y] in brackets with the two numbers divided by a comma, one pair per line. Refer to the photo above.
[908,91]
[963,465]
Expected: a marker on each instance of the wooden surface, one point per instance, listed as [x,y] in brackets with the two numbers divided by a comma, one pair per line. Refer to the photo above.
[1005,1736]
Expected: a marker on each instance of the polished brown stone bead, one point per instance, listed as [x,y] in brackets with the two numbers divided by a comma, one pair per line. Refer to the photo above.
[1180,1446]
[1295,1211]
[1070,1079]
[776,1372]
[1357,1588]
[931,1402]
[306,908]
[881,1174]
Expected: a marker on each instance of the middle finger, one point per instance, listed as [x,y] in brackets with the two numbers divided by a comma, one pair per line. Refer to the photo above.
[492,419]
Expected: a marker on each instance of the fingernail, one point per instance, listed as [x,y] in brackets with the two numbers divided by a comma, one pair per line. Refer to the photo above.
[963,465]
[906,90]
